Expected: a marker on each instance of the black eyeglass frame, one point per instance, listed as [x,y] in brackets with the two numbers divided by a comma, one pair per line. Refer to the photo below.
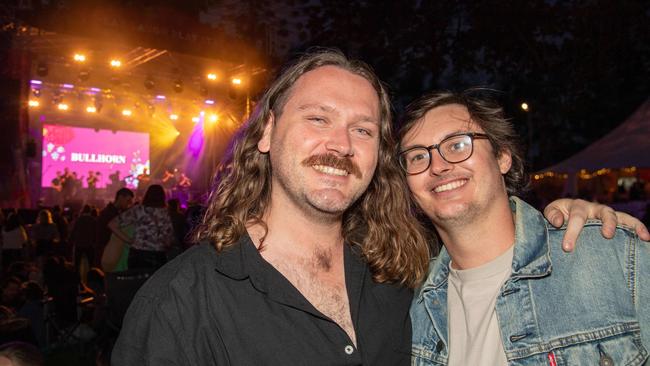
[472,136]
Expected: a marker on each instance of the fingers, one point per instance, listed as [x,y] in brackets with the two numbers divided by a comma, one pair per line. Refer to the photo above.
[609,218]
[558,211]
[632,222]
[642,232]
[577,219]
[554,216]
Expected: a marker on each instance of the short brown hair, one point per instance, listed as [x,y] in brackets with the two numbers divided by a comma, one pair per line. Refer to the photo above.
[486,113]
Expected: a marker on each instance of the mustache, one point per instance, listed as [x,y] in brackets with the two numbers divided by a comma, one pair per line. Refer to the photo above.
[335,162]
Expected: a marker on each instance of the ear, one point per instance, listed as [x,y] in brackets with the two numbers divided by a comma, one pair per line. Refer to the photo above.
[264,144]
[505,161]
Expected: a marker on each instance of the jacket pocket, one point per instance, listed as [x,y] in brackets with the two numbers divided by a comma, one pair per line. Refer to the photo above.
[620,349]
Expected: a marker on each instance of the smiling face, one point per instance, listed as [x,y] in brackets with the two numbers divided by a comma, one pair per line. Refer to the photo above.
[324,146]
[455,193]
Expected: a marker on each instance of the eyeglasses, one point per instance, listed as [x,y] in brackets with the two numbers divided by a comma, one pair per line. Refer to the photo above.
[453,149]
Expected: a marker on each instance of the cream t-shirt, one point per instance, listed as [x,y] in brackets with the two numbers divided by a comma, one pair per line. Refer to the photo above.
[474,336]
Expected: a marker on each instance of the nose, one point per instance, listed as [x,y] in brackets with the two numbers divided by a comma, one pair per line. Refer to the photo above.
[339,143]
[439,165]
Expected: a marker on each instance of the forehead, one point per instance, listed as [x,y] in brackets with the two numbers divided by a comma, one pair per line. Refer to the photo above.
[336,88]
[439,122]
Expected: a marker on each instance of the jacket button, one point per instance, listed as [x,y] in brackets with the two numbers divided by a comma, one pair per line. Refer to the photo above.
[349,349]
[605,361]
[439,346]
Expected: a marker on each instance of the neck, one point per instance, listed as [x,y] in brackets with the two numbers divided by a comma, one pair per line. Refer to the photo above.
[472,244]
[292,230]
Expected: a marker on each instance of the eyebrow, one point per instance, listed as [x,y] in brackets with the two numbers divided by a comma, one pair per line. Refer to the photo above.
[456,132]
[329,109]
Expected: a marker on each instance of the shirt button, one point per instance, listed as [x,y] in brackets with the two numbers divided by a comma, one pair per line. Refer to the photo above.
[349,349]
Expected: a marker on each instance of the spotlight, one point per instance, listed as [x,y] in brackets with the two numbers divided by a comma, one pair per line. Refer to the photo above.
[91,109]
[36,92]
[212,76]
[126,112]
[214,118]
[79,57]
[33,103]
[178,85]
[173,117]
[116,64]
[149,83]
[195,119]
[63,107]
[236,81]
[42,69]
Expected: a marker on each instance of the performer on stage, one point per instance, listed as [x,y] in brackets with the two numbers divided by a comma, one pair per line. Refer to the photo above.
[92,180]
[144,179]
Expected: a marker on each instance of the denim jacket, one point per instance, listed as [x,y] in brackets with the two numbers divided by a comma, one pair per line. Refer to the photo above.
[589,307]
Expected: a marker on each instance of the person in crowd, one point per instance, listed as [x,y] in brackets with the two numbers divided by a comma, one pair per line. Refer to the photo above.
[83,238]
[502,291]
[310,248]
[14,240]
[20,354]
[45,234]
[63,284]
[179,223]
[11,293]
[61,223]
[154,233]
[32,309]
[123,201]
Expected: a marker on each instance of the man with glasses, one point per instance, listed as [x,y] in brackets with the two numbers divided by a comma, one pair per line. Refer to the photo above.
[311,251]
[502,291]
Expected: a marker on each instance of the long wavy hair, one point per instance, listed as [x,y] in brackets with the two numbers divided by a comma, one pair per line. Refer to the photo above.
[379,223]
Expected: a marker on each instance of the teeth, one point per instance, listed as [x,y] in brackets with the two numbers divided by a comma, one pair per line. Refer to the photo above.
[449,186]
[330,170]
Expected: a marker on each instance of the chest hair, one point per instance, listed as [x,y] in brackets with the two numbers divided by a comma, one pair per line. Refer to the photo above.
[322,283]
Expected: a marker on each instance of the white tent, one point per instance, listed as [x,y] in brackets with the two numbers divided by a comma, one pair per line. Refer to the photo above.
[628,145]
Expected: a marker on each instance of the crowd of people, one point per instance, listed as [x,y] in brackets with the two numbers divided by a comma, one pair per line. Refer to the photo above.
[54,262]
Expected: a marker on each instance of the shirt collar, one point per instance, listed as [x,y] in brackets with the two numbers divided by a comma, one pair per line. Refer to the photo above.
[243,261]
[532,251]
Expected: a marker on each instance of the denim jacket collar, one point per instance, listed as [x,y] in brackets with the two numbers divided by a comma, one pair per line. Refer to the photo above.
[531,254]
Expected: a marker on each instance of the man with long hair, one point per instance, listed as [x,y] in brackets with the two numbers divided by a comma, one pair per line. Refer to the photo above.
[312,249]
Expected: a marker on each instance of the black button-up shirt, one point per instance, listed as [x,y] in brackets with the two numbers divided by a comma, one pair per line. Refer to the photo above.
[234,308]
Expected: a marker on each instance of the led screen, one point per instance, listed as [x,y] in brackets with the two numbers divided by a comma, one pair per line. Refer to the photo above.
[85,149]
